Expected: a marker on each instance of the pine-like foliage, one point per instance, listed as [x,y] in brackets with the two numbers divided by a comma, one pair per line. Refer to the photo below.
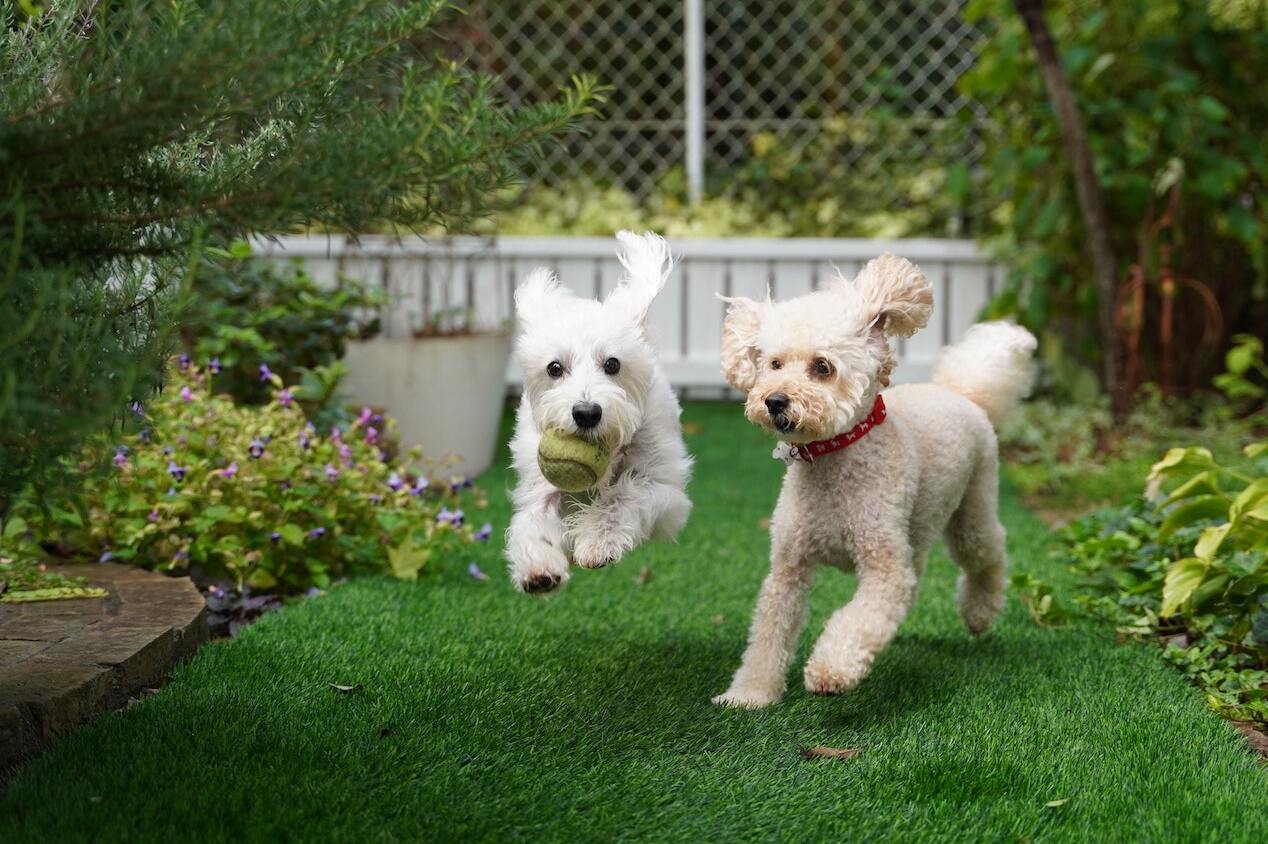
[133,130]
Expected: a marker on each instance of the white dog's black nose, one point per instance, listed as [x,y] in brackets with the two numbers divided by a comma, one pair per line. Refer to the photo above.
[586,414]
[776,403]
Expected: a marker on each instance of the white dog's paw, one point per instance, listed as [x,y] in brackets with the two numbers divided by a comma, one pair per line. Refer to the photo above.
[596,549]
[825,677]
[538,568]
[748,697]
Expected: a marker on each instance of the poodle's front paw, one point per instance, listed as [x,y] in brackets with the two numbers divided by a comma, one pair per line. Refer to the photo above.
[596,550]
[748,696]
[538,567]
[824,677]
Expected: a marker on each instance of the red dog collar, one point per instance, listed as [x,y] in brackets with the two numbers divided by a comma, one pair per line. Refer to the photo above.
[809,451]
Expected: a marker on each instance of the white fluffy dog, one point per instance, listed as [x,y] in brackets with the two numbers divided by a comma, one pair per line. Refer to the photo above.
[871,484]
[591,369]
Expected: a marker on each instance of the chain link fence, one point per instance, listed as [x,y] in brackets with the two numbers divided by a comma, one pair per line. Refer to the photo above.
[868,88]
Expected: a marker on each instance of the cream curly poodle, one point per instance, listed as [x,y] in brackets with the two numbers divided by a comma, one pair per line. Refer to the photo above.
[872,481]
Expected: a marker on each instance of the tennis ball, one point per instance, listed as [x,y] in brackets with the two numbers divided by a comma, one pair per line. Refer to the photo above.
[571,463]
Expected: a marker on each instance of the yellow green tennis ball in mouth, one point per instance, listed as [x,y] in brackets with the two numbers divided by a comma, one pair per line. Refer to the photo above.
[572,463]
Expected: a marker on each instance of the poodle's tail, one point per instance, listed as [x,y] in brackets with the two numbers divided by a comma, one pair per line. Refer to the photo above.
[990,366]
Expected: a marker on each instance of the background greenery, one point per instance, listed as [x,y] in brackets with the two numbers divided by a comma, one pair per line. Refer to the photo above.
[131,132]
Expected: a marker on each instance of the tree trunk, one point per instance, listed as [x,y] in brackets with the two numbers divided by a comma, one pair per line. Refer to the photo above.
[1088,189]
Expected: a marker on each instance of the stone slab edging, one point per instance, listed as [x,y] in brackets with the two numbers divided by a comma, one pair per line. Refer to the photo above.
[64,662]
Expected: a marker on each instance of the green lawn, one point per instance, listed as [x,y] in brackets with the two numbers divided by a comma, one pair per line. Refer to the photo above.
[491,715]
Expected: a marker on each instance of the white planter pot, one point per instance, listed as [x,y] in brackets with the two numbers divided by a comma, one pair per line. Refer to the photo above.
[445,393]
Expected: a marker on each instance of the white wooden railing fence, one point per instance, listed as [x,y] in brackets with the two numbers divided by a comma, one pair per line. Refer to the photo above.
[469,280]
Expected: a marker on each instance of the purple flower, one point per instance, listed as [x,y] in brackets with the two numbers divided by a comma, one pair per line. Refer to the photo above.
[181,555]
[145,435]
[105,557]
[121,456]
[485,531]
[345,453]
[171,490]
[265,372]
[214,366]
[419,486]
[169,451]
[366,415]
[177,472]
[332,474]
[371,435]
[136,408]
[304,441]
[377,420]
[456,518]
[447,516]
[375,498]
[475,572]
[394,482]
[284,483]
[154,515]
[229,471]
[275,536]
[182,440]
[317,533]
[285,398]
[184,362]
[187,395]
[256,449]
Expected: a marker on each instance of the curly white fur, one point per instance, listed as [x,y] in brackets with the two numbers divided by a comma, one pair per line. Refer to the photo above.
[879,505]
[643,493]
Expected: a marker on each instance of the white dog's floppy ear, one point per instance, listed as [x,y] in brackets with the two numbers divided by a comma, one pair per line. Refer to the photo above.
[899,298]
[647,265]
[539,295]
[739,341]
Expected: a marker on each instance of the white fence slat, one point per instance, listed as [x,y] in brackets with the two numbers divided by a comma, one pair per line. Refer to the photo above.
[427,278]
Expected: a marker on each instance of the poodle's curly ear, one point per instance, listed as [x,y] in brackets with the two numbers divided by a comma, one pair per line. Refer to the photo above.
[539,295]
[898,296]
[647,262]
[739,340]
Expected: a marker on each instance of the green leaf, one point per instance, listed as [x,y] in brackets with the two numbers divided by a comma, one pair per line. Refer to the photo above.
[1183,577]
[407,559]
[15,526]
[1255,450]
[292,534]
[1191,511]
[1210,540]
[1249,499]
[1201,483]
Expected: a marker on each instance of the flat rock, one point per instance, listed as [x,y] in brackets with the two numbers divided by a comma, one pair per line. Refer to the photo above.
[64,662]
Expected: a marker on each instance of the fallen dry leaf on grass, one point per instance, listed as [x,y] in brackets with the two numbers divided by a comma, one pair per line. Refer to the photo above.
[824,752]
[718,619]
[692,428]
[763,524]
[346,689]
[644,576]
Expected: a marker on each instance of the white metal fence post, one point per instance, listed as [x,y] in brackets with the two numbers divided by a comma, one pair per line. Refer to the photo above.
[693,61]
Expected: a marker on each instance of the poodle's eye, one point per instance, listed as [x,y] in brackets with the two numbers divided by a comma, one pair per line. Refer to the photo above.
[611,366]
[554,369]
[822,367]
[776,363]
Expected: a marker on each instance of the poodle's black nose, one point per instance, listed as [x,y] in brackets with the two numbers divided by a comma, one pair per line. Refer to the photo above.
[776,403]
[586,414]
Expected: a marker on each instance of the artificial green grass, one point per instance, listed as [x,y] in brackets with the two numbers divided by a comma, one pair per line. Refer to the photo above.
[485,714]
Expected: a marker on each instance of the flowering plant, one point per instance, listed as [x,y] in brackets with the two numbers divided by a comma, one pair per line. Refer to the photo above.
[258,494]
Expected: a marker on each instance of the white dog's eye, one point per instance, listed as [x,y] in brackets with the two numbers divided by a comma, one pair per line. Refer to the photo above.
[776,363]
[611,366]
[554,369]
[822,367]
